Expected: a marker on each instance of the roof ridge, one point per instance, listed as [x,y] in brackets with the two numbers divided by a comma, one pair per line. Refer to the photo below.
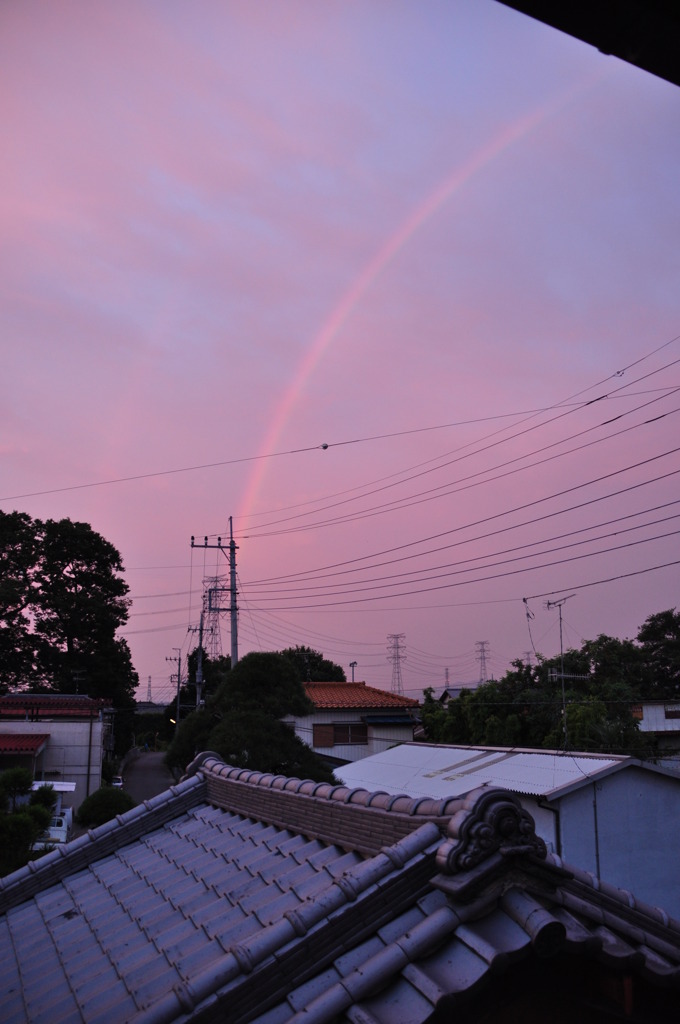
[212,764]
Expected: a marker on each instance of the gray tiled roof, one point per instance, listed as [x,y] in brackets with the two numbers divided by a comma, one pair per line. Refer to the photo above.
[239,896]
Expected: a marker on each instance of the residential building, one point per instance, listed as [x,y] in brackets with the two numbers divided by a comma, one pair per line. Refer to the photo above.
[659,721]
[353,720]
[238,896]
[613,816]
[61,738]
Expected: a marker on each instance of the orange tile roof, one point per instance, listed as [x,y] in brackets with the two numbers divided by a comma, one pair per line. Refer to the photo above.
[355,695]
[22,743]
[37,705]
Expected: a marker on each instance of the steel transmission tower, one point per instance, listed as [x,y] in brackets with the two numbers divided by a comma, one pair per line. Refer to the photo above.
[231,589]
[212,609]
[396,656]
[482,647]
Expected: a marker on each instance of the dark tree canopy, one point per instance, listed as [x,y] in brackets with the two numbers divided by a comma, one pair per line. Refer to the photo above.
[241,721]
[22,820]
[62,599]
[312,667]
[603,681]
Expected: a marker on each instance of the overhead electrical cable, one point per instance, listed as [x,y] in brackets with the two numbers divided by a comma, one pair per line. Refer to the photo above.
[280,594]
[471,480]
[469,454]
[324,445]
[416,575]
[517,508]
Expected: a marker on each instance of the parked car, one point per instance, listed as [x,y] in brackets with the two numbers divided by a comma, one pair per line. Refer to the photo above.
[59,830]
[117,781]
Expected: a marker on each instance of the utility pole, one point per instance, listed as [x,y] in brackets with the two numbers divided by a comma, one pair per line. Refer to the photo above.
[178,659]
[396,656]
[233,607]
[559,603]
[199,660]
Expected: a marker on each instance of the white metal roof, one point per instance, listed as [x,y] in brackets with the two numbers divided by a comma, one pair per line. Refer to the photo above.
[425,769]
[58,787]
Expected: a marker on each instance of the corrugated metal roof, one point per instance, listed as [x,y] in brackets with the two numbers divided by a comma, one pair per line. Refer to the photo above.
[424,769]
[355,695]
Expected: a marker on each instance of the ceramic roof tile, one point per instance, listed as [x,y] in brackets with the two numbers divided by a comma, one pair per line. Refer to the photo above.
[167,924]
[22,743]
[355,696]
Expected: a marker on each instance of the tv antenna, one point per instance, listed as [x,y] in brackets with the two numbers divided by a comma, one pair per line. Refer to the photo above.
[559,604]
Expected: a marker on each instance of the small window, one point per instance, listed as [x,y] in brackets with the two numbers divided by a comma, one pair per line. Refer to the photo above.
[323,736]
[351,732]
[327,735]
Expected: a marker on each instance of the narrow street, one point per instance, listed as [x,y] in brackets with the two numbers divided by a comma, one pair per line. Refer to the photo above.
[145,775]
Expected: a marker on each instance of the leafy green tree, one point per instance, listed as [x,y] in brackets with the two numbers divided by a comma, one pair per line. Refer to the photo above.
[103,805]
[62,600]
[242,721]
[659,639]
[21,822]
[15,783]
[17,547]
[313,667]
[581,700]
[44,796]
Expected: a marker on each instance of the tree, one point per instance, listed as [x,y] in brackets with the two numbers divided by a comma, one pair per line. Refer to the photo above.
[22,820]
[589,708]
[103,805]
[659,639]
[15,783]
[17,546]
[62,600]
[312,667]
[242,721]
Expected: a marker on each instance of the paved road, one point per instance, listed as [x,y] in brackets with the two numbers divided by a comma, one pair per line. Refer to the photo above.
[146,775]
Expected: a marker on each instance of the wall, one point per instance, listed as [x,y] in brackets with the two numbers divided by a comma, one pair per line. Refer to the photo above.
[380,737]
[70,747]
[626,830]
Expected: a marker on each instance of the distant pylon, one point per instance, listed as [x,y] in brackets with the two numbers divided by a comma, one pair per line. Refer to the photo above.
[482,647]
[396,656]
[148,690]
[212,609]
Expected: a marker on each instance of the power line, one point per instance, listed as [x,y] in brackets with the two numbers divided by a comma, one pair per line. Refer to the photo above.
[324,445]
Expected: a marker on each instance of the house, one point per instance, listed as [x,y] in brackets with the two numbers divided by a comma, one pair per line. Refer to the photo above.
[58,737]
[238,896]
[659,721]
[614,816]
[352,720]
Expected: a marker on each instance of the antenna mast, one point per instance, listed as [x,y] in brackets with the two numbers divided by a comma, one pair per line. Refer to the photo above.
[559,603]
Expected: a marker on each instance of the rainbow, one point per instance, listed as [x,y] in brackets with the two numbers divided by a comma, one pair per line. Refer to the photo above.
[339,315]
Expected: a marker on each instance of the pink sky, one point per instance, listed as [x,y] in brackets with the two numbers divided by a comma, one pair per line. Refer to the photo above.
[427,235]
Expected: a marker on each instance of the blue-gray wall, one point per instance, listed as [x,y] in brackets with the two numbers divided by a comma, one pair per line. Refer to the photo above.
[626,829]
